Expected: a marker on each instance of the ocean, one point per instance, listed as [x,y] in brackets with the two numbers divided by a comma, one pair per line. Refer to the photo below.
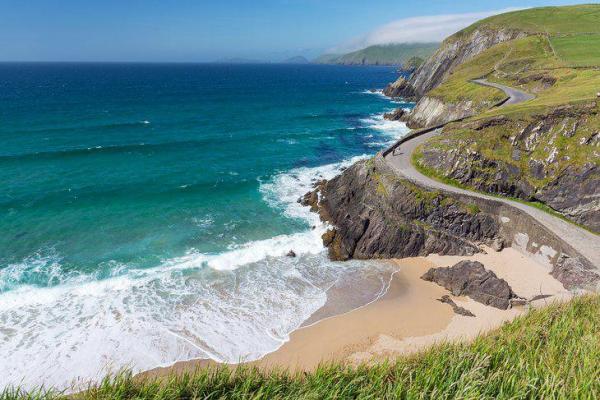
[147,209]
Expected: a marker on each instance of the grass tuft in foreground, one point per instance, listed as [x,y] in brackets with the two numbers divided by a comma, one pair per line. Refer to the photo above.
[551,353]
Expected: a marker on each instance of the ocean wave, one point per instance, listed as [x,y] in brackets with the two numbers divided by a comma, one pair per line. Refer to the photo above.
[233,306]
[392,129]
[236,305]
[42,268]
[376,92]
[151,318]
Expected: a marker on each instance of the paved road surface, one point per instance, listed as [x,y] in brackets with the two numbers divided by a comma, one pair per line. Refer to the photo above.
[515,95]
[586,243]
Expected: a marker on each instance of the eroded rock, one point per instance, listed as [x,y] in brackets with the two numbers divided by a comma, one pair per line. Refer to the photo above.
[534,168]
[573,273]
[498,244]
[455,307]
[378,215]
[470,278]
[396,115]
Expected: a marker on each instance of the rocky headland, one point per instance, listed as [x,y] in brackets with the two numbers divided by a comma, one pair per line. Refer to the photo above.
[376,214]
[431,110]
[542,149]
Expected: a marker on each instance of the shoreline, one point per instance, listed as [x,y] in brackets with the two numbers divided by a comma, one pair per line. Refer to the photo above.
[405,319]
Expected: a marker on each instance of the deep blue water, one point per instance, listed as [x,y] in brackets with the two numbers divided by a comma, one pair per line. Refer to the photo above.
[132,194]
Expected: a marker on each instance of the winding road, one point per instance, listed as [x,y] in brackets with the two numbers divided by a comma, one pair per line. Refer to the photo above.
[515,96]
[583,241]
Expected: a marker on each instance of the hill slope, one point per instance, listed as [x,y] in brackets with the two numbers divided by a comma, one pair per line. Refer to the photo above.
[545,150]
[391,54]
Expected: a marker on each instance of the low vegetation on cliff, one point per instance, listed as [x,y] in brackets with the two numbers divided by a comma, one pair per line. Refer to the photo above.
[545,150]
[549,353]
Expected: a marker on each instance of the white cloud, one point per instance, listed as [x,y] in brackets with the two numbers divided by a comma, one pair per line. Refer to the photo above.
[433,28]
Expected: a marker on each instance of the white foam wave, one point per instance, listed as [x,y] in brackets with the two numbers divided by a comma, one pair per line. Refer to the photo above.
[203,222]
[241,307]
[233,306]
[375,92]
[392,129]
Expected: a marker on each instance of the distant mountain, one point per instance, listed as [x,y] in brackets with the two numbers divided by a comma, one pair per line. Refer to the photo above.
[389,54]
[239,60]
[296,60]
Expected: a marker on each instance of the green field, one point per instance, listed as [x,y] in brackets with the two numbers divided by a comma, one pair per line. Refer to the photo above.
[551,353]
[583,18]
[578,50]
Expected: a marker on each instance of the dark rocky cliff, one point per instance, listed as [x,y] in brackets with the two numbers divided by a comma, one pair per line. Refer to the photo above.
[375,214]
[547,157]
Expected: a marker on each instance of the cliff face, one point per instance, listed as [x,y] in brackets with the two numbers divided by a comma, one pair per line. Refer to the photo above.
[456,50]
[547,158]
[430,111]
[453,52]
[378,215]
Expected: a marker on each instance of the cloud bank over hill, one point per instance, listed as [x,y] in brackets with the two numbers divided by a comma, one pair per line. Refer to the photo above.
[424,29]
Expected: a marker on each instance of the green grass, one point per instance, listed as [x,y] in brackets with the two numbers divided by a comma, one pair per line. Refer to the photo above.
[550,353]
[562,38]
[583,18]
[501,63]
[548,66]
[578,50]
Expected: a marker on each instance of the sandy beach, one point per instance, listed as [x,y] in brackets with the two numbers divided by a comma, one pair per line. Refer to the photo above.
[407,318]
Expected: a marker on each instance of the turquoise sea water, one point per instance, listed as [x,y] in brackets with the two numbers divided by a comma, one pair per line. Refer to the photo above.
[146,210]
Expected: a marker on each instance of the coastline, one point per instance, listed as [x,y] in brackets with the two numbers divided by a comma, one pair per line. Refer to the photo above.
[406,319]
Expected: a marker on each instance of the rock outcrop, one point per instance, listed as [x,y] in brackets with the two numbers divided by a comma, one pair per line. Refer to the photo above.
[400,88]
[551,158]
[574,274]
[455,307]
[398,114]
[430,111]
[470,278]
[375,214]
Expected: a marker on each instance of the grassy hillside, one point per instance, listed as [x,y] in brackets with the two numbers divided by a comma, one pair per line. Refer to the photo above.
[579,19]
[549,353]
[577,50]
[392,54]
[543,64]
[532,146]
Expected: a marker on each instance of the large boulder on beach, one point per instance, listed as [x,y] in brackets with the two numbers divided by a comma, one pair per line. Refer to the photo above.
[470,278]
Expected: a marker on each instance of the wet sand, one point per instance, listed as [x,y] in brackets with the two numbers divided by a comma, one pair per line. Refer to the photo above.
[407,318]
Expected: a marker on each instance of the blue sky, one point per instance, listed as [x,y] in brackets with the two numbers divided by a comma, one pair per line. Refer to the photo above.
[171,30]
